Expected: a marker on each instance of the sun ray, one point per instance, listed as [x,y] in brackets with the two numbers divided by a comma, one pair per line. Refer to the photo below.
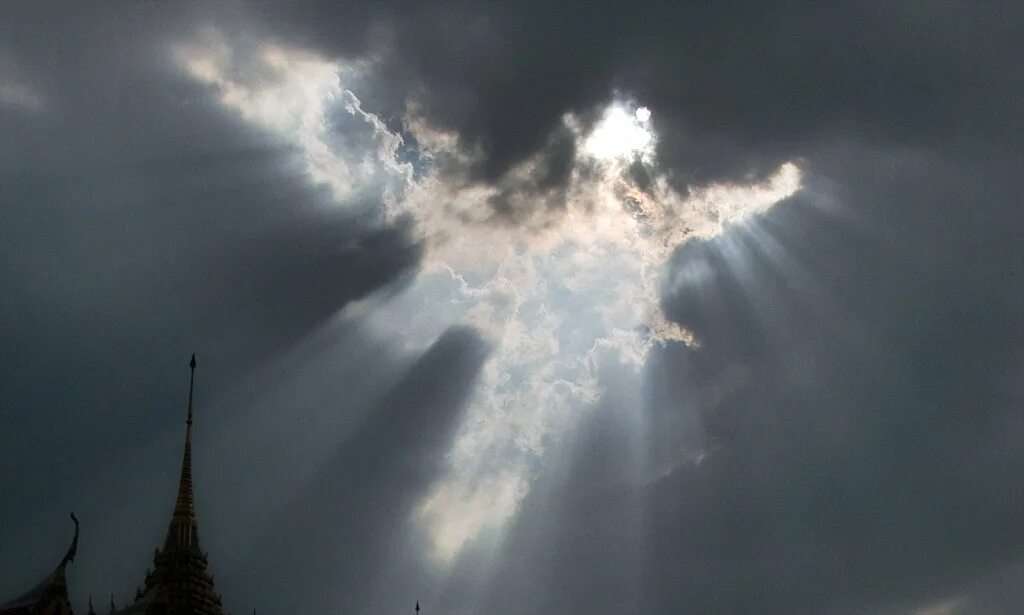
[562,294]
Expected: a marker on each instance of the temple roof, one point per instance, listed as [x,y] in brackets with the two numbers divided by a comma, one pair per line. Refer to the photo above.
[139,606]
[52,588]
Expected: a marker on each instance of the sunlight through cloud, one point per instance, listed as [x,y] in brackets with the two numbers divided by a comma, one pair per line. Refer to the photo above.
[558,294]
[620,134]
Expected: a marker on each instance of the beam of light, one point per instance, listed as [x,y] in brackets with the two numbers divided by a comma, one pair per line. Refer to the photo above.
[561,293]
[16,91]
[20,97]
[949,606]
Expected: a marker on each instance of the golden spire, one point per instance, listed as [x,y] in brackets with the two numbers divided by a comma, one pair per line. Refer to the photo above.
[183,532]
[179,581]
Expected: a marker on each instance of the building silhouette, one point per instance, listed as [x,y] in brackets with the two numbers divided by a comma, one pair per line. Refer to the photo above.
[49,596]
[179,582]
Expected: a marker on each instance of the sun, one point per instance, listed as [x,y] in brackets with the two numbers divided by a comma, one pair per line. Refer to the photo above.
[620,133]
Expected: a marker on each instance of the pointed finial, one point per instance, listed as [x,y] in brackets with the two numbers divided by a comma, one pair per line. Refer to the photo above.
[417,606]
[182,530]
[191,381]
[92,611]
[112,607]
[73,549]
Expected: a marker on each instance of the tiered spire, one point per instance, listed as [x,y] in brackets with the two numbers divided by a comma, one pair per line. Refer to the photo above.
[184,531]
[179,583]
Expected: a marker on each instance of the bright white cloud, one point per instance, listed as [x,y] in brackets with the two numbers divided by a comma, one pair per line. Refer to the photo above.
[303,98]
[620,134]
[558,294]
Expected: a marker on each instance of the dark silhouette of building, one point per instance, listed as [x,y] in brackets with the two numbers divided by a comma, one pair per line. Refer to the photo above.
[178,584]
[49,596]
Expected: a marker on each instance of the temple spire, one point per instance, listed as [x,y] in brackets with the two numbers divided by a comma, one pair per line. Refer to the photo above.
[183,530]
[179,581]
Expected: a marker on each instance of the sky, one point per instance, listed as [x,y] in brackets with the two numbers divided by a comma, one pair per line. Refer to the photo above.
[519,307]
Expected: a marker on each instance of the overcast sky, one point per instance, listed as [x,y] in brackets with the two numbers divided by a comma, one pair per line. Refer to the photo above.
[519,307]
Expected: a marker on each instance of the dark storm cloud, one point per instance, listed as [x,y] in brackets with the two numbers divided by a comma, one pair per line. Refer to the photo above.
[735,88]
[520,197]
[141,222]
